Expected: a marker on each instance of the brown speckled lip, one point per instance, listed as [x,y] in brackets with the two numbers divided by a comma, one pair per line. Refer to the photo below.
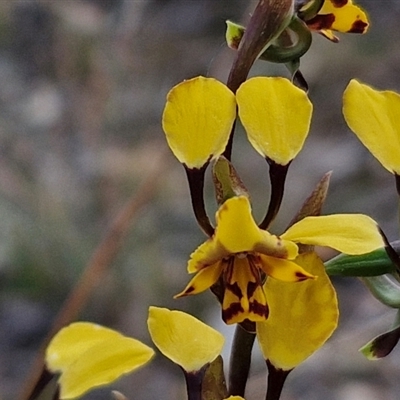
[358,27]
[339,3]
[320,22]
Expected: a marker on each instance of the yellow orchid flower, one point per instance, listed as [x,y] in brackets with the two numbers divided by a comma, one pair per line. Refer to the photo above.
[302,317]
[197,120]
[276,116]
[199,115]
[242,253]
[184,339]
[374,116]
[340,16]
[89,355]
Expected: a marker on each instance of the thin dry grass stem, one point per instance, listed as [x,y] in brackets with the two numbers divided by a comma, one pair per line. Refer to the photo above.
[96,268]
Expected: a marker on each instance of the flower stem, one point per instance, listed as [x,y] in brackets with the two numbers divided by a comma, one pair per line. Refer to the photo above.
[391,252]
[194,381]
[277,176]
[56,394]
[268,20]
[397,177]
[276,380]
[196,185]
[240,361]
[44,379]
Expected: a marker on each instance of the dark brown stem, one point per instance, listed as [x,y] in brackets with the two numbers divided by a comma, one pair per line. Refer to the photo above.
[240,361]
[391,252]
[264,25]
[397,177]
[196,185]
[276,380]
[266,22]
[194,382]
[277,177]
[44,379]
[57,394]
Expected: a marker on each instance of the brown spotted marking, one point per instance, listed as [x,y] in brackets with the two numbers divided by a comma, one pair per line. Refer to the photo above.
[189,290]
[320,22]
[358,27]
[251,288]
[339,3]
[235,289]
[259,309]
[233,310]
[301,277]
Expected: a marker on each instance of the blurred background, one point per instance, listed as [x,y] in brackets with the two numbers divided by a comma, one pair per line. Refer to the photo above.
[83,85]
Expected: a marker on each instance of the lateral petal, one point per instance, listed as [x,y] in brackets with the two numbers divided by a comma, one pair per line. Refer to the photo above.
[197,120]
[184,339]
[70,342]
[347,233]
[283,270]
[103,364]
[89,355]
[374,116]
[204,279]
[276,116]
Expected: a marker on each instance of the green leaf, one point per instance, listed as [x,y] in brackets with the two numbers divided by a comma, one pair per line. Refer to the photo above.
[384,288]
[366,265]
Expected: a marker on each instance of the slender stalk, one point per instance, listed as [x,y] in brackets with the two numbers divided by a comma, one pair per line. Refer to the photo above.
[56,394]
[276,380]
[268,20]
[277,177]
[44,379]
[196,185]
[391,252]
[95,270]
[397,177]
[265,24]
[194,382]
[240,361]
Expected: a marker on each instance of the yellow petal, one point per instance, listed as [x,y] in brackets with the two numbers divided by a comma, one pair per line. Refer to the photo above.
[244,297]
[89,356]
[235,398]
[276,116]
[374,117]
[329,35]
[347,233]
[302,316]
[197,120]
[207,254]
[204,279]
[343,16]
[184,339]
[283,270]
[70,342]
[103,364]
[237,232]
